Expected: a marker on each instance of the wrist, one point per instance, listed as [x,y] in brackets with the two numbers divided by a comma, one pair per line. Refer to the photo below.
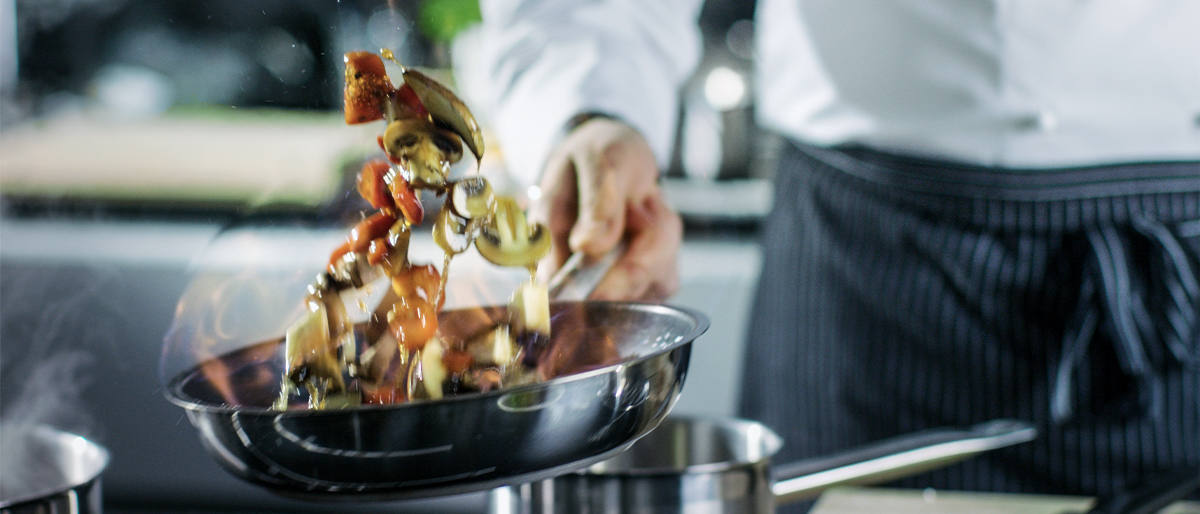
[579,119]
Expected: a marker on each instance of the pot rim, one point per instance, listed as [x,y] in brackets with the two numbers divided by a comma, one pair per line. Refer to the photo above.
[747,431]
[69,440]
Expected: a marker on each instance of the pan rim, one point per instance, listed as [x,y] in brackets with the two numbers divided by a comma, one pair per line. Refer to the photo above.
[699,325]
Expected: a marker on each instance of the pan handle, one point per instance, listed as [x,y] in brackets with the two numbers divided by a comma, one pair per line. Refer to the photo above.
[579,275]
[895,458]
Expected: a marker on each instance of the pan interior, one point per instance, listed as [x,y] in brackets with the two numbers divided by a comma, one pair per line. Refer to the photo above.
[690,445]
[252,374]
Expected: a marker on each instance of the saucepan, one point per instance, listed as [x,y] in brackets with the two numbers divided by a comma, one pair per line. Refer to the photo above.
[54,472]
[454,445]
[712,465]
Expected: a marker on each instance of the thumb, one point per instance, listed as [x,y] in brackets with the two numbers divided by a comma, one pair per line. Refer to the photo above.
[601,217]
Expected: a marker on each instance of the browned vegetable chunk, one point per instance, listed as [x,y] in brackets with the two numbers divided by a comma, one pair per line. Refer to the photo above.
[368,88]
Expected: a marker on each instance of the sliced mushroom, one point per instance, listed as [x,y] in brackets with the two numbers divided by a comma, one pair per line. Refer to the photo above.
[508,239]
[472,197]
[451,233]
[446,109]
[424,150]
[353,270]
[398,237]
[377,358]
[309,354]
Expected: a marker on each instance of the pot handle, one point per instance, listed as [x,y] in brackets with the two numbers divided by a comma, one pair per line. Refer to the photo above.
[895,458]
[1151,494]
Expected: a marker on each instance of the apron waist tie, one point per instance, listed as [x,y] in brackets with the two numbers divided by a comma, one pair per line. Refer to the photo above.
[1122,303]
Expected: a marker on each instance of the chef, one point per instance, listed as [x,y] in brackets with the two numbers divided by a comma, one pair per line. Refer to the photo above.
[987,209]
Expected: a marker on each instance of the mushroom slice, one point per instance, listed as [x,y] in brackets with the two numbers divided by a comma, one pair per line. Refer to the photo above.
[423,149]
[446,109]
[398,238]
[353,271]
[309,353]
[472,197]
[451,233]
[509,239]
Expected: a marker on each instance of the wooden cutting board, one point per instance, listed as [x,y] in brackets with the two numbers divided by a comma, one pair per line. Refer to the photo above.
[857,500]
[256,157]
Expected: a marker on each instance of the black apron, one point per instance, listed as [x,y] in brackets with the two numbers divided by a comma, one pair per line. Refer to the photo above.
[899,294]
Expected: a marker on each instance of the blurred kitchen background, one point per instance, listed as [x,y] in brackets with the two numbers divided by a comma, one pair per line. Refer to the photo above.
[133,133]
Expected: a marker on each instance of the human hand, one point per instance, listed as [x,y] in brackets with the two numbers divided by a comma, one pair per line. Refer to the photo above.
[599,187]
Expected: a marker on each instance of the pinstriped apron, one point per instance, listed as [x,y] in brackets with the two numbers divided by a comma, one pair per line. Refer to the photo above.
[899,294]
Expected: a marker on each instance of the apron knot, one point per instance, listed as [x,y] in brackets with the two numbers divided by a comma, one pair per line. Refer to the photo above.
[1145,304]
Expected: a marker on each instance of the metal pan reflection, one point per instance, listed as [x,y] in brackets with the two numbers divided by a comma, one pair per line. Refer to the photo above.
[458,444]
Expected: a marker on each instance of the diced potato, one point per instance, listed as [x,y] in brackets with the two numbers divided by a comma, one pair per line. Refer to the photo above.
[529,310]
[494,348]
[433,372]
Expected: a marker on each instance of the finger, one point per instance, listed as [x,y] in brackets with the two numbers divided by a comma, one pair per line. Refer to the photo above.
[630,278]
[556,209]
[648,269]
[600,219]
[668,239]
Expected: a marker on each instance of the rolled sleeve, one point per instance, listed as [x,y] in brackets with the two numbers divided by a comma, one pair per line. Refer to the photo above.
[550,60]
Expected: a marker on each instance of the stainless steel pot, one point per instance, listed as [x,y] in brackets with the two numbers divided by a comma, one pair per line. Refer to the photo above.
[59,474]
[709,465]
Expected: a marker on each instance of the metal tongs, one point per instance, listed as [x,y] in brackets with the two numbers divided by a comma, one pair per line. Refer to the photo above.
[580,274]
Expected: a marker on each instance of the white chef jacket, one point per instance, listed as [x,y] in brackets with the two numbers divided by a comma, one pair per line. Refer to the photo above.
[1009,83]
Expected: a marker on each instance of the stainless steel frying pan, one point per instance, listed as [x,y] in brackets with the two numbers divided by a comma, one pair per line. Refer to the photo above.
[459,444]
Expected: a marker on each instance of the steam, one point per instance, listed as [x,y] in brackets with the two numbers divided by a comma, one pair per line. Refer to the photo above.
[50,396]
[47,367]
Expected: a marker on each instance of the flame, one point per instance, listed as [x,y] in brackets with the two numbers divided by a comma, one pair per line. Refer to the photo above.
[236,304]
[221,312]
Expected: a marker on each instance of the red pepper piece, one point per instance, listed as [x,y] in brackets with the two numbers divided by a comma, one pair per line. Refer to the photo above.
[374,227]
[407,101]
[457,361]
[418,282]
[414,322]
[367,87]
[406,200]
[371,184]
[383,395]
[377,251]
[338,253]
